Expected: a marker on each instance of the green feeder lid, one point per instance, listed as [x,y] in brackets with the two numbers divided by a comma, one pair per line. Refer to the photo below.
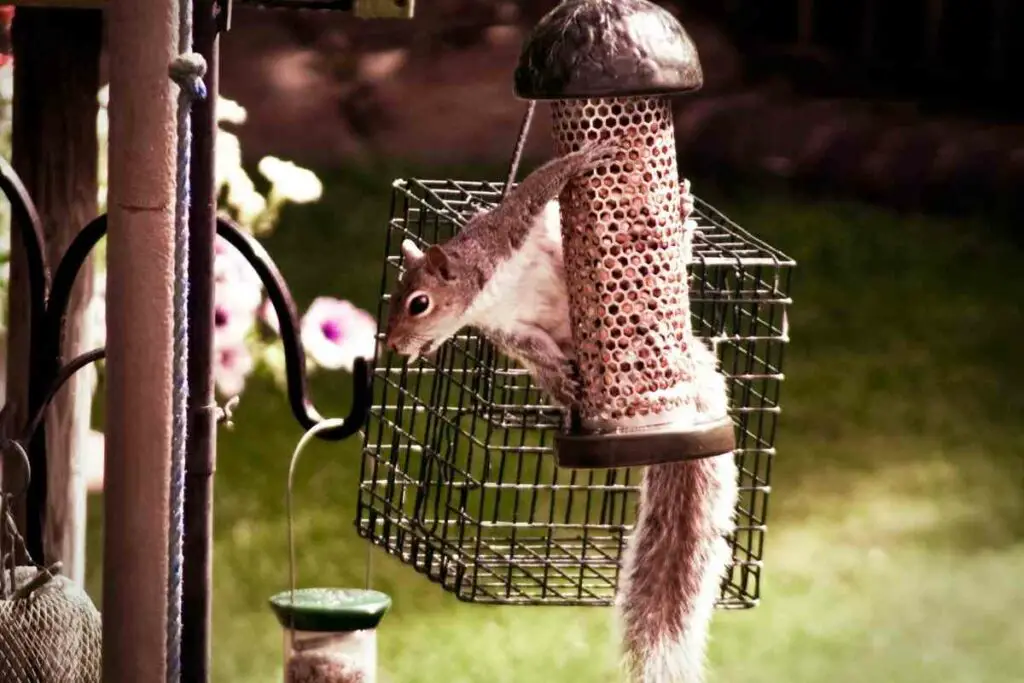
[330,609]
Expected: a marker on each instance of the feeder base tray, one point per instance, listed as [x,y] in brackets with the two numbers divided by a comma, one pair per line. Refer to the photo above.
[646,447]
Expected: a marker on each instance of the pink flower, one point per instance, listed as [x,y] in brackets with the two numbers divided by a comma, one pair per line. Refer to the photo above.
[237,295]
[232,365]
[232,270]
[335,332]
[233,313]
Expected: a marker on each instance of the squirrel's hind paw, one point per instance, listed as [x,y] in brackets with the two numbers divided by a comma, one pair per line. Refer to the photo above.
[560,383]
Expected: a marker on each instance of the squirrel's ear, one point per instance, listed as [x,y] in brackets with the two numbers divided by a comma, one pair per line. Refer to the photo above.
[438,262]
[410,251]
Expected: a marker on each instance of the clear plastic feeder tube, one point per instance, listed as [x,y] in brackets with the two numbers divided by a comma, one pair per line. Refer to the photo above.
[330,634]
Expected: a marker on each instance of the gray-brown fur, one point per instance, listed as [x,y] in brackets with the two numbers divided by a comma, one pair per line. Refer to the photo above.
[547,360]
[494,236]
[675,558]
[454,274]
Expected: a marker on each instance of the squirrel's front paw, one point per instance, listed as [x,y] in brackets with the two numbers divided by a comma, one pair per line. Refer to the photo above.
[598,153]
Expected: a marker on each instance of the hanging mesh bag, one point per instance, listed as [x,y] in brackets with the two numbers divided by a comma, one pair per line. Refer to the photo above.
[50,631]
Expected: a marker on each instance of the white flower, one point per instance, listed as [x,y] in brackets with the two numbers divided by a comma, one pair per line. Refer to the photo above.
[103,96]
[229,111]
[291,182]
[228,158]
[232,365]
[334,332]
[242,195]
[232,270]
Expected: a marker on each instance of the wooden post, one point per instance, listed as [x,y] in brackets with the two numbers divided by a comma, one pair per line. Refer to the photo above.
[140,279]
[56,77]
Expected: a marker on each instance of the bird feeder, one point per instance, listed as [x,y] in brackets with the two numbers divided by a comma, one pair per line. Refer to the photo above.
[608,66]
[330,633]
[469,474]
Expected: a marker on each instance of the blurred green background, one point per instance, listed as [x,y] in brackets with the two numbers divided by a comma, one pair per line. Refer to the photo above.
[895,548]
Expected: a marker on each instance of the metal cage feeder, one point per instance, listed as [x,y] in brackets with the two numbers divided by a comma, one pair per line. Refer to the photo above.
[461,477]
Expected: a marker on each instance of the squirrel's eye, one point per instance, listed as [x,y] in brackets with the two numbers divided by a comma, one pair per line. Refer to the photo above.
[419,304]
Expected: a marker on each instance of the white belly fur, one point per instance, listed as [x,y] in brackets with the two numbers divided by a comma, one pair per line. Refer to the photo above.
[528,289]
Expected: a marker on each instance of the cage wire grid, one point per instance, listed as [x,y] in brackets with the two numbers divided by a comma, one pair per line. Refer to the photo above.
[458,474]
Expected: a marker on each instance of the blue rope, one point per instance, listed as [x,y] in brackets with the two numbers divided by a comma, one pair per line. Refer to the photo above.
[187,71]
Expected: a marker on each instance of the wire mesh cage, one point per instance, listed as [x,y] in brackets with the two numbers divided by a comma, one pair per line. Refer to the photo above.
[459,478]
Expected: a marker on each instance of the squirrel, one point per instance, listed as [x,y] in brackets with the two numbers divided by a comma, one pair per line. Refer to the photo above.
[503,274]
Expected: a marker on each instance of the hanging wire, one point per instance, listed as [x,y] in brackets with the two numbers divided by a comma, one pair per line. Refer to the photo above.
[311,433]
[517,153]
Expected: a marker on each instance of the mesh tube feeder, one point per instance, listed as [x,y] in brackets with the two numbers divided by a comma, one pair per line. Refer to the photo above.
[608,66]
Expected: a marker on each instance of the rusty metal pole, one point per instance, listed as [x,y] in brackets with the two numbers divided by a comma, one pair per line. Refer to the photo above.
[201,442]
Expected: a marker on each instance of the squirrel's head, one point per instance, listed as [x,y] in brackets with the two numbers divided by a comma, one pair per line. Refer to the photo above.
[429,304]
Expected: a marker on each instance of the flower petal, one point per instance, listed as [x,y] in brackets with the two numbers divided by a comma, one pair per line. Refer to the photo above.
[334,332]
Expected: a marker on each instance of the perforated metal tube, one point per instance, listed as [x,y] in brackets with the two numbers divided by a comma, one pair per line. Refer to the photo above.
[626,248]
[625,253]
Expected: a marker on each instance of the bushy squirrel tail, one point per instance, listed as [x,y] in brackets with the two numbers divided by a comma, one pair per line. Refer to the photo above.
[676,557]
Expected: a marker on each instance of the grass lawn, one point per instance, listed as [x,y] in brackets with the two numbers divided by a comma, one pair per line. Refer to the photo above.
[896,543]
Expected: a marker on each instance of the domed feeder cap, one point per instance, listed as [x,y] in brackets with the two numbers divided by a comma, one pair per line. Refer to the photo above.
[607,48]
[330,609]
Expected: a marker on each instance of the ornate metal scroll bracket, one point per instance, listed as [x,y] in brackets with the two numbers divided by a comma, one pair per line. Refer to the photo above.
[48,310]
[295,354]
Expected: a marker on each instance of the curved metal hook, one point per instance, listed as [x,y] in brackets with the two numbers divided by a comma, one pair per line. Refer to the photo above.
[7,445]
[66,372]
[26,436]
[26,218]
[64,280]
[23,212]
[295,355]
[278,293]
